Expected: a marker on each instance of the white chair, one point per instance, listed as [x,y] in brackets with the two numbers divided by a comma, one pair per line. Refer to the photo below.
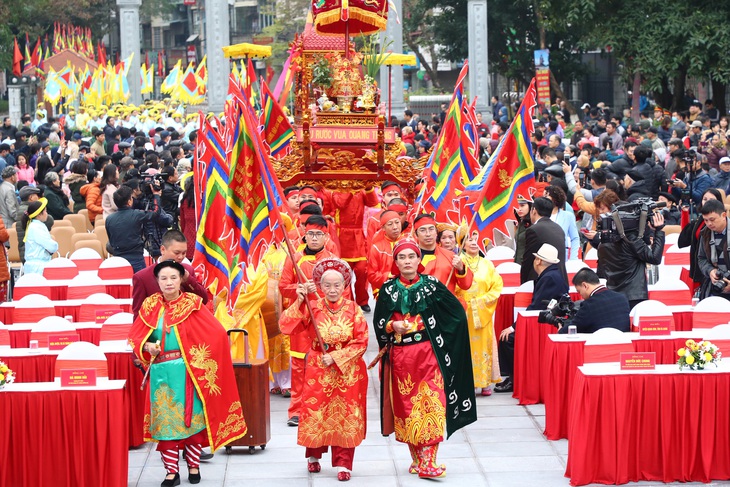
[60,268]
[115,268]
[606,336]
[86,259]
[591,258]
[573,266]
[50,325]
[500,254]
[82,355]
[676,256]
[671,239]
[714,304]
[650,308]
[116,327]
[606,345]
[84,285]
[670,292]
[33,308]
[96,302]
[523,297]
[711,312]
[31,284]
[720,336]
[510,273]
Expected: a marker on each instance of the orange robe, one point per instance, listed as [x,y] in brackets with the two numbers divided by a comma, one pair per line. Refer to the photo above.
[380,262]
[439,266]
[334,406]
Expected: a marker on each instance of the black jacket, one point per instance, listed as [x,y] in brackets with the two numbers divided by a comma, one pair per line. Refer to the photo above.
[604,309]
[170,197]
[544,231]
[623,264]
[126,230]
[690,237]
[57,202]
[549,285]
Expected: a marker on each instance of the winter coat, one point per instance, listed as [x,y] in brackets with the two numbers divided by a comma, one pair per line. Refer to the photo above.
[92,194]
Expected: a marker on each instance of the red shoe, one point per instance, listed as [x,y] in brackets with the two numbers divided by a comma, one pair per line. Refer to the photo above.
[432,472]
[343,476]
[486,391]
[314,467]
[275,390]
[413,469]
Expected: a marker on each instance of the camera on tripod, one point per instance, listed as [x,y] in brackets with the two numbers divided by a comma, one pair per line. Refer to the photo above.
[627,218]
[151,183]
[559,312]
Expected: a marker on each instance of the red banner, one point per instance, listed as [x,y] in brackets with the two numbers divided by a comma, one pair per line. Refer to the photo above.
[347,135]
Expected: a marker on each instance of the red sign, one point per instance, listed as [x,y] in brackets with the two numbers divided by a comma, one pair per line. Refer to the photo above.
[656,326]
[78,377]
[189,2]
[638,361]
[192,54]
[263,40]
[542,82]
[59,341]
[103,314]
[347,135]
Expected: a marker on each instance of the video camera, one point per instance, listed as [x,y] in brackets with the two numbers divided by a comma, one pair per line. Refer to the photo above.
[559,312]
[151,183]
[626,218]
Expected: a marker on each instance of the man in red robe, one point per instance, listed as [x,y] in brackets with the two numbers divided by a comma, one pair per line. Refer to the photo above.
[349,211]
[438,262]
[389,190]
[380,257]
[314,252]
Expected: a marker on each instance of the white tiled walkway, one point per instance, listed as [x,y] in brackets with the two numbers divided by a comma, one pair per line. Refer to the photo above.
[504,448]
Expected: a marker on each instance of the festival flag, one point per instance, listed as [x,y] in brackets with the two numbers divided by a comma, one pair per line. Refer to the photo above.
[170,82]
[508,173]
[470,135]
[213,247]
[17,58]
[27,62]
[444,176]
[202,70]
[286,79]
[36,56]
[147,58]
[52,88]
[102,54]
[277,129]
[148,79]
[161,63]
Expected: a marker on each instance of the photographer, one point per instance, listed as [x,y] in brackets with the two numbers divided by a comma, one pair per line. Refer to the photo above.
[696,182]
[550,284]
[625,249]
[170,193]
[149,200]
[712,258]
[126,228]
[601,307]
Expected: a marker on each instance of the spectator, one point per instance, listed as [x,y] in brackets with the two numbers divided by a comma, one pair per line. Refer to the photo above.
[39,245]
[713,260]
[25,172]
[4,152]
[565,219]
[171,193]
[672,215]
[652,174]
[75,179]
[722,179]
[542,231]
[126,228]
[617,142]
[28,195]
[8,198]
[187,217]
[107,186]
[714,150]
[697,180]
[601,308]
[92,194]
[57,200]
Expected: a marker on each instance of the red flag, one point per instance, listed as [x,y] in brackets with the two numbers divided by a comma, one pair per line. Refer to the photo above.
[277,129]
[17,59]
[160,63]
[37,55]
[147,59]
[102,54]
[269,74]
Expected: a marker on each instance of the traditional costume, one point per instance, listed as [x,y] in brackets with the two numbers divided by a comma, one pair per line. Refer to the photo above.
[437,263]
[380,256]
[333,411]
[424,367]
[193,399]
[481,301]
[299,343]
[279,360]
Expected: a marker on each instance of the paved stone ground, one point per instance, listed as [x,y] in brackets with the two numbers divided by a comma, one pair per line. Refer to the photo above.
[504,448]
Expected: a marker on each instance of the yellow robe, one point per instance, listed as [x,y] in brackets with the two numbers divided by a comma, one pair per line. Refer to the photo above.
[279,343]
[481,299]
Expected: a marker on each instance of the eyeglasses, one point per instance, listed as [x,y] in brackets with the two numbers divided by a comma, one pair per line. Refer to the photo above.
[316,235]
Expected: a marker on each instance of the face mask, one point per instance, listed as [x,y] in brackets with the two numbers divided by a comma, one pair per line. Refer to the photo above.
[674,119]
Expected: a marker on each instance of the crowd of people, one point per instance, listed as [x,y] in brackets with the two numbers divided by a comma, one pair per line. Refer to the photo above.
[603,181]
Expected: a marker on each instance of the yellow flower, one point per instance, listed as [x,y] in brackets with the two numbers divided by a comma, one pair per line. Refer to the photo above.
[689,359]
[689,342]
[681,352]
[2,377]
[3,368]
[708,357]
[705,343]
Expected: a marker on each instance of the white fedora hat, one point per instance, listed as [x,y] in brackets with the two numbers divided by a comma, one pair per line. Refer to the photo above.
[548,253]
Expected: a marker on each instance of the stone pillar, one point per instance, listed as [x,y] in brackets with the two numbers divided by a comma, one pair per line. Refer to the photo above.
[216,37]
[129,33]
[394,32]
[478,61]
[15,93]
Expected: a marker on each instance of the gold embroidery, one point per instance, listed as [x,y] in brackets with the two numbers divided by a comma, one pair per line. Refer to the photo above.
[168,416]
[338,422]
[406,386]
[332,379]
[149,304]
[312,400]
[200,359]
[438,380]
[427,419]
[234,423]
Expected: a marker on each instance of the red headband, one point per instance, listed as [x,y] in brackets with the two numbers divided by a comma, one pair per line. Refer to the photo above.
[397,207]
[294,192]
[387,216]
[306,203]
[308,225]
[428,220]
[308,191]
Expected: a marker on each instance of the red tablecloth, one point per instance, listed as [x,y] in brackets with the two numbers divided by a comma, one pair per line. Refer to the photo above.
[560,361]
[63,438]
[18,338]
[683,320]
[504,313]
[530,337]
[119,291]
[40,368]
[8,315]
[91,335]
[666,349]
[655,427]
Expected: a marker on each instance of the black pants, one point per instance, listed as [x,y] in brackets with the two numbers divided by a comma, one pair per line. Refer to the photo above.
[634,302]
[507,355]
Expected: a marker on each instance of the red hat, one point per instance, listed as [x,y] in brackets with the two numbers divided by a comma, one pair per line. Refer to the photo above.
[325,265]
[387,216]
[306,203]
[427,220]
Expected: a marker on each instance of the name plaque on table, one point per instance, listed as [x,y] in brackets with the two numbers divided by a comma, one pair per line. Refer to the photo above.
[657,326]
[638,360]
[78,377]
[103,314]
[59,341]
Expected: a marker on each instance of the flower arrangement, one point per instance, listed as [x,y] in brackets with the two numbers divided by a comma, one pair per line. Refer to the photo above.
[6,375]
[696,355]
